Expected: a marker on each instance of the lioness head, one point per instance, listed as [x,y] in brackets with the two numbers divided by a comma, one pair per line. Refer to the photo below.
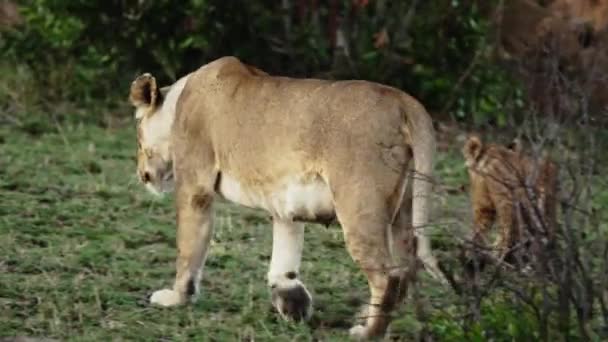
[154,111]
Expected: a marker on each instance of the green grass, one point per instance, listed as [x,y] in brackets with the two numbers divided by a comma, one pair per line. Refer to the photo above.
[82,244]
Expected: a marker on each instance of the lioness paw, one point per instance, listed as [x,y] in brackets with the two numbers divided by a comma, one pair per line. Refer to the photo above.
[293,302]
[167,298]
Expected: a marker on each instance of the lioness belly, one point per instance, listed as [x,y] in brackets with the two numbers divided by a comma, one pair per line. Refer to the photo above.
[295,198]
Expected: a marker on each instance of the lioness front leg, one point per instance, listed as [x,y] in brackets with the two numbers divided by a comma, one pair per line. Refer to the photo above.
[194,231]
[289,295]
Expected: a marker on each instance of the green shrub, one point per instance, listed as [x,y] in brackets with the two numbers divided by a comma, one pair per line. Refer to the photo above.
[500,321]
[80,50]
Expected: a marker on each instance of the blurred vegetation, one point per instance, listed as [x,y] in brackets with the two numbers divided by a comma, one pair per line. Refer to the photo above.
[439,51]
[75,59]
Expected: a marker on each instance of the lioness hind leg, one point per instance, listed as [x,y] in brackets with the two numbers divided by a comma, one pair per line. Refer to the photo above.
[365,234]
[383,277]
[289,295]
[404,246]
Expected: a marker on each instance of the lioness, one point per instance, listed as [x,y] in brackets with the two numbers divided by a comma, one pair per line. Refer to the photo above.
[301,149]
[512,188]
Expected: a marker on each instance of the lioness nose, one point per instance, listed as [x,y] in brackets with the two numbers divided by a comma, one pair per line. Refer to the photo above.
[146,178]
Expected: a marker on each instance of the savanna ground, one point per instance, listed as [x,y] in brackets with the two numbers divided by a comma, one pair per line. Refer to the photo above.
[82,245]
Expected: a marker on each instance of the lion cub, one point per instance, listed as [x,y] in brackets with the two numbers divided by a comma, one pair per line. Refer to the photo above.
[514,189]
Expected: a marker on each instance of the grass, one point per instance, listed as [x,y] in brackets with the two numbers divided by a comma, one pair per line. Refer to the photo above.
[82,245]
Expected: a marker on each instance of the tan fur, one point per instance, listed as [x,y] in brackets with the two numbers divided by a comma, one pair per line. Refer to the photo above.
[240,133]
[498,176]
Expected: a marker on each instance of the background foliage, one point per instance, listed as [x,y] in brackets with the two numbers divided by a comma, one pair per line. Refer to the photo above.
[66,144]
[81,50]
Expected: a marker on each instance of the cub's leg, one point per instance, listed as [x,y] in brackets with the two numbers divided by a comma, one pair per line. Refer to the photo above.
[484,212]
[366,228]
[194,231]
[509,230]
[484,216]
[289,295]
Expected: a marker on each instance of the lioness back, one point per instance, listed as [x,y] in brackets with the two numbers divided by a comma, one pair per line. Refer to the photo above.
[255,121]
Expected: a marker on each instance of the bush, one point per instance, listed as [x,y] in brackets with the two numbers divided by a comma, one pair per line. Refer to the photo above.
[438,51]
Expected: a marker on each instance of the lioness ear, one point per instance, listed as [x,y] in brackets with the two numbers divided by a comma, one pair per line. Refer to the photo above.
[164,91]
[472,149]
[144,92]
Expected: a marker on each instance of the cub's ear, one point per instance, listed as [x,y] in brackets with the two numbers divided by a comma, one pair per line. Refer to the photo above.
[472,149]
[144,92]
[516,145]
